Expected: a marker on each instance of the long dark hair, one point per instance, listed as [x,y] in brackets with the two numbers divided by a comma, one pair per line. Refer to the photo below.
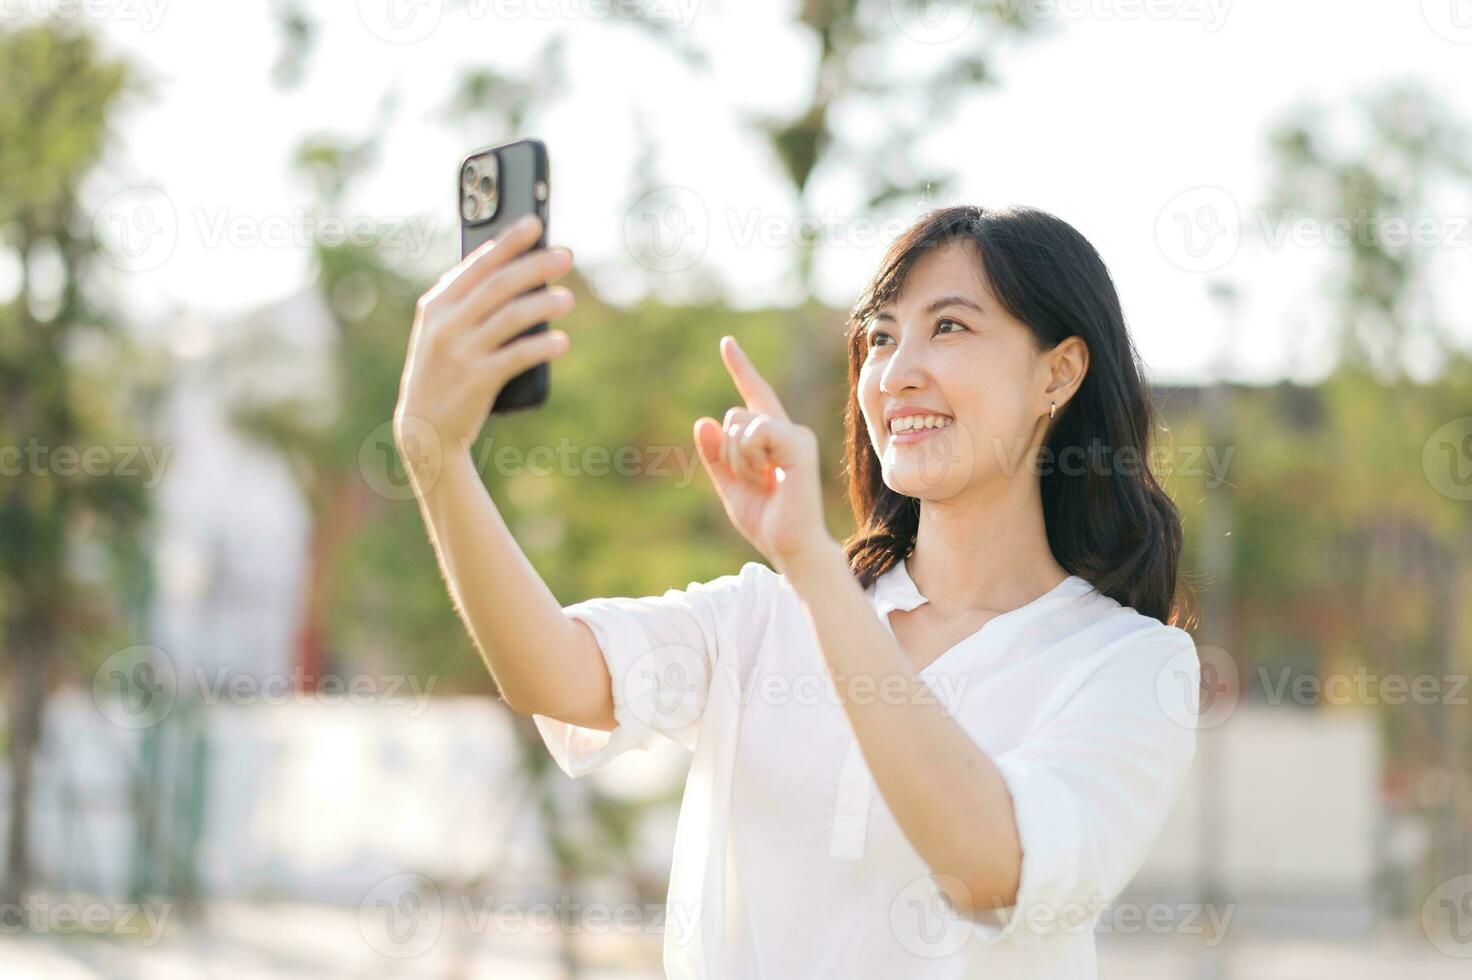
[1112,526]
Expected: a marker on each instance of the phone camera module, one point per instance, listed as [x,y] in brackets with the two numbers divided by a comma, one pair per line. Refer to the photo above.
[480,188]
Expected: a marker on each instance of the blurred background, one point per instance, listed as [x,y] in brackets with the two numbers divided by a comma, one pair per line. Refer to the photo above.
[245,733]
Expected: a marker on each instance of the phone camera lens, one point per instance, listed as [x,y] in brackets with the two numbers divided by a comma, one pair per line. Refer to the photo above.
[487,186]
[469,175]
[470,207]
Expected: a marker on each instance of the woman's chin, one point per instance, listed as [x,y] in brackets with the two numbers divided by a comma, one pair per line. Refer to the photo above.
[930,475]
[911,481]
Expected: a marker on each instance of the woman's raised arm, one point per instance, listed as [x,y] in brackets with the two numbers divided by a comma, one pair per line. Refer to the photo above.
[542,661]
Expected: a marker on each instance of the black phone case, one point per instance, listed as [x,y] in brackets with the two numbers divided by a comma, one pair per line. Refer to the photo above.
[522,170]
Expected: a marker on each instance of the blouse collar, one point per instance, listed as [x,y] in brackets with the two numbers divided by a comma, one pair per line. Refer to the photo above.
[895,589]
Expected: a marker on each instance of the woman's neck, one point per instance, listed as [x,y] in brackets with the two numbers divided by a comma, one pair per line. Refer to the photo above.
[986,551]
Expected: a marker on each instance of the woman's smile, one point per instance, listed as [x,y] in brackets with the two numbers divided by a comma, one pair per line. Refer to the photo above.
[914,428]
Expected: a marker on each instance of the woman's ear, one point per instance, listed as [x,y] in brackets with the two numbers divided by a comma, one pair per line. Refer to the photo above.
[1068,362]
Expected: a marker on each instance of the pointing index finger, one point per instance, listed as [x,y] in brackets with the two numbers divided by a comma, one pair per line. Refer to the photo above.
[759,395]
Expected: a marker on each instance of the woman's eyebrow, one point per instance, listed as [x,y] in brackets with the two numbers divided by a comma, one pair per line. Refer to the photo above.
[936,307]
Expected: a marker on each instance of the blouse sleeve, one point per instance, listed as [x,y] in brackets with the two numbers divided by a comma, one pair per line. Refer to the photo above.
[1093,786]
[661,654]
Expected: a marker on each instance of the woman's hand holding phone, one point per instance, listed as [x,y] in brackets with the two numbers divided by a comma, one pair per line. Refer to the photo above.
[456,363]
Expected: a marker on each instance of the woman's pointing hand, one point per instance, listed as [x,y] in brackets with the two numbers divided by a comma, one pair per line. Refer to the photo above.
[764,467]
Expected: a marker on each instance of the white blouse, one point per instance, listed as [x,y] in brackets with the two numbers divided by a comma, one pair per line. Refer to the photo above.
[787,860]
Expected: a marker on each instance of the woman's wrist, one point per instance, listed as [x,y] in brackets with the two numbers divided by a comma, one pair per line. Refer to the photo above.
[437,480]
[812,562]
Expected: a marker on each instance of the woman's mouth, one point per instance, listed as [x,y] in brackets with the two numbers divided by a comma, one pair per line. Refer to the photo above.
[914,428]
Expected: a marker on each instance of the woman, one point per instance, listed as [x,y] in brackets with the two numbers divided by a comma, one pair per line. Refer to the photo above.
[935,750]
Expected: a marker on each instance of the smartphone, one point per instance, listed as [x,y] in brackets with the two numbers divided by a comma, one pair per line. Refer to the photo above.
[496,186]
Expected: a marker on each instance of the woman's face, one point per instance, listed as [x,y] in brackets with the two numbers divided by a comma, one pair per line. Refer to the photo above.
[946,347]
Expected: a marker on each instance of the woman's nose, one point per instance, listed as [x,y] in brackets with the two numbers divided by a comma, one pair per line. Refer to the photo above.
[905,369]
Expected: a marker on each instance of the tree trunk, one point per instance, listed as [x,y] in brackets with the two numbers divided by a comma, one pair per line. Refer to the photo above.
[27,691]
[333,526]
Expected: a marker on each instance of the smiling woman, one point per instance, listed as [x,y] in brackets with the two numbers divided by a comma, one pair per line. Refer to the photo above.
[1008,307]
[936,751]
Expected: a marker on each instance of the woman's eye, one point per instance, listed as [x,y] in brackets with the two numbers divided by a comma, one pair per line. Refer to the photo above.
[878,336]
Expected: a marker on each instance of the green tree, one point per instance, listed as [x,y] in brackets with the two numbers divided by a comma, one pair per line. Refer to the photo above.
[1351,550]
[68,534]
[1413,150]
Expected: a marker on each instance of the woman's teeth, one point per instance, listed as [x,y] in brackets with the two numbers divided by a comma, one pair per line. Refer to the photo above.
[908,423]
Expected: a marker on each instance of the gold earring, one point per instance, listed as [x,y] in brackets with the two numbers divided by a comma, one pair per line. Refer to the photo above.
[1053,411]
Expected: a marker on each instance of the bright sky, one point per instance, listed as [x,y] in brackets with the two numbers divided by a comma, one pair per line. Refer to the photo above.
[1135,120]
